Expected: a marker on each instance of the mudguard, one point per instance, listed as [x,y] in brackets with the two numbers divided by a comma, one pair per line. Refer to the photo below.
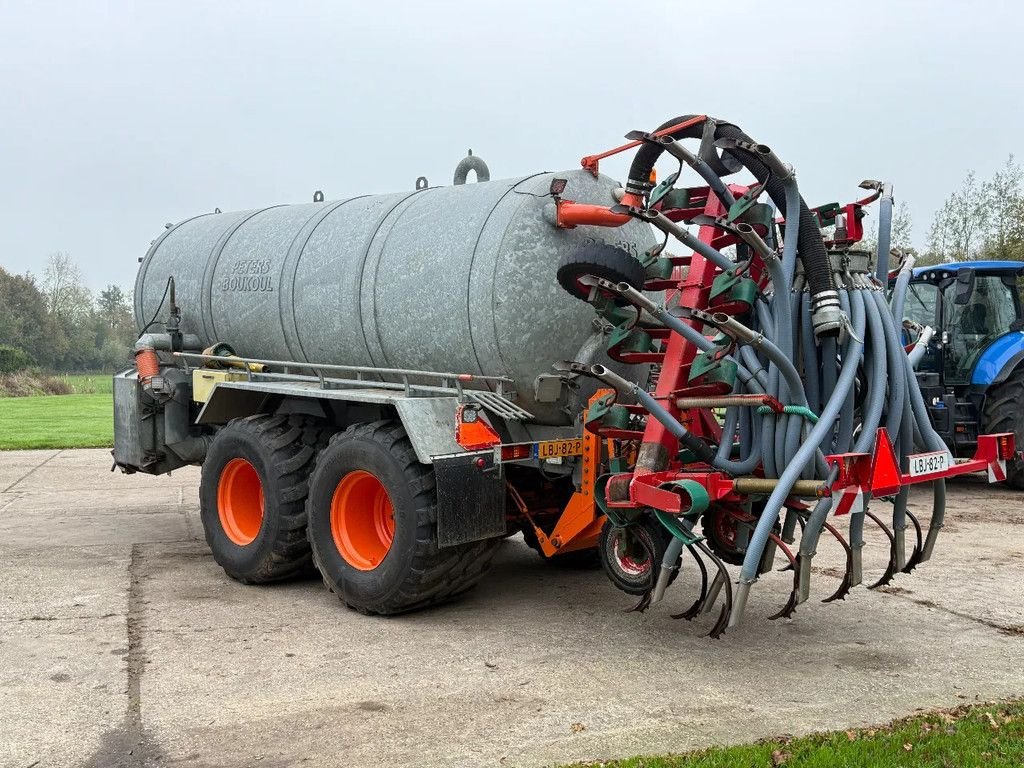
[995,364]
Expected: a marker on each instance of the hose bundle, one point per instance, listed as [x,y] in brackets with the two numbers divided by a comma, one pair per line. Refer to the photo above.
[821,340]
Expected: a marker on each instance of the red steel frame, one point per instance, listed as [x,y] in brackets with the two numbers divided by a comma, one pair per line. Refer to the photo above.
[694,290]
[859,473]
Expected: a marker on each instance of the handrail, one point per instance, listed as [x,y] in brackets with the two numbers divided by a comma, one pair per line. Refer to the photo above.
[461,377]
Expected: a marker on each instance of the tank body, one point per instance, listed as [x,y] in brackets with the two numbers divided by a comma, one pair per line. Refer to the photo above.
[458,279]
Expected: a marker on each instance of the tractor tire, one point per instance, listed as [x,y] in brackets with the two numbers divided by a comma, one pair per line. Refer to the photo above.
[1004,412]
[253,496]
[600,260]
[578,559]
[372,512]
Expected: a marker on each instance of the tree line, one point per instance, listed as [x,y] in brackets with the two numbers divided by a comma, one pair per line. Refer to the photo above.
[56,323]
[982,219]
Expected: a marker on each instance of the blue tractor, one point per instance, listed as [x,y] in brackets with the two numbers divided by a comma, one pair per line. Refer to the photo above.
[972,372]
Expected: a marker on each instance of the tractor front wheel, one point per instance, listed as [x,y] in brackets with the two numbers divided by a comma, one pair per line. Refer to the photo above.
[1004,412]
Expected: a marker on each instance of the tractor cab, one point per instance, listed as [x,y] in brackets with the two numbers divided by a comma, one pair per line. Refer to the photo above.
[975,309]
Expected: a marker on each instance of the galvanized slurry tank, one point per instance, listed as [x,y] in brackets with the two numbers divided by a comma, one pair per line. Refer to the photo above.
[455,278]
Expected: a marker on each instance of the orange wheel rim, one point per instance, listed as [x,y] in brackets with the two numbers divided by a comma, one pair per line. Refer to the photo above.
[240,501]
[362,520]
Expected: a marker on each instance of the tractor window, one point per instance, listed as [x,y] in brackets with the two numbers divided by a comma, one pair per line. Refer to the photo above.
[989,312]
[920,303]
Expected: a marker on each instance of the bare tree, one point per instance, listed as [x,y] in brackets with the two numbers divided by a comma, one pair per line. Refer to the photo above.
[66,297]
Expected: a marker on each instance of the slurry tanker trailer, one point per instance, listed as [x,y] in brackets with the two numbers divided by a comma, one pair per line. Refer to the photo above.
[384,387]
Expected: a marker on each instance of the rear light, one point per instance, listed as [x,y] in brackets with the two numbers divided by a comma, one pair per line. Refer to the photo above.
[1005,446]
[516,452]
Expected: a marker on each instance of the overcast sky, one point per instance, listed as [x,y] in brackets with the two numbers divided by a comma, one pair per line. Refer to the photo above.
[118,117]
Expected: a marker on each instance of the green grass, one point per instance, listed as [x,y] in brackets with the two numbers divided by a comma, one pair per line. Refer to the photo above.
[89,383]
[58,421]
[984,735]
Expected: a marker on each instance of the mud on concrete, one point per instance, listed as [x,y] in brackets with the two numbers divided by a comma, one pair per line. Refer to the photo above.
[123,644]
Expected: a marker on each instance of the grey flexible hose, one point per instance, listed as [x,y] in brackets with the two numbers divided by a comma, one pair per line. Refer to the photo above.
[844,432]
[809,352]
[773,507]
[871,412]
[899,293]
[920,347]
[897,379]
[884,237]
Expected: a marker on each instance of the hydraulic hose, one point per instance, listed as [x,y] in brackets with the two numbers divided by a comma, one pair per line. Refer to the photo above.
[844,433]
[871,411]
[897,380]
[899,293]
[920,346]
[884,236]
[704,170]
[687,439]
[809,352]
[899,508]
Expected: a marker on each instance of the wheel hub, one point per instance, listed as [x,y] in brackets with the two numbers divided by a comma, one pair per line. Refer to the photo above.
[362,520]
[240,503]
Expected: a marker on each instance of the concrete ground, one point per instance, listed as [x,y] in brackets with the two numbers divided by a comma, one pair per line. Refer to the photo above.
[122,643]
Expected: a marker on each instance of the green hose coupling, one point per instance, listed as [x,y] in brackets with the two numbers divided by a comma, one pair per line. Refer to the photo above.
[795,410]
